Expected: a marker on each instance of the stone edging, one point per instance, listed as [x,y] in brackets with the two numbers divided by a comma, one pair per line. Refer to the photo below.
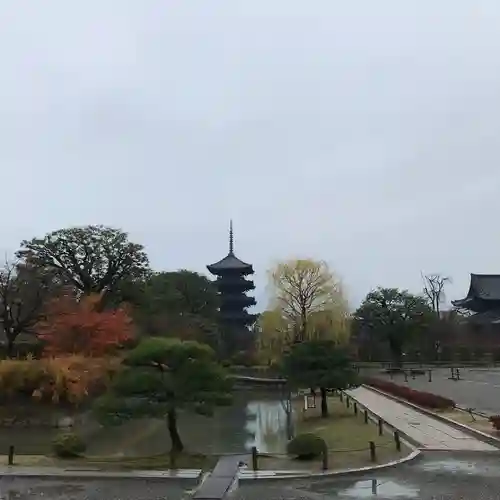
[481,436]
[264,475]
[179,475]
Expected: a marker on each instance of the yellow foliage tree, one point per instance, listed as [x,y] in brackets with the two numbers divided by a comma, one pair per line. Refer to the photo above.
[307,301]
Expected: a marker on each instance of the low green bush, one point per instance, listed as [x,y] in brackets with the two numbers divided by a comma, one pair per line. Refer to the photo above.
[68,445]
[306,446]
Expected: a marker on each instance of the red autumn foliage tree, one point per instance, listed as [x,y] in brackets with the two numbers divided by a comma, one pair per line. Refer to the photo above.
[74,326]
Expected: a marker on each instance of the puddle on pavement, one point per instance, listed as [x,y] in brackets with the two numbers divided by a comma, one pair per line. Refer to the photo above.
[462,467]
[374,488]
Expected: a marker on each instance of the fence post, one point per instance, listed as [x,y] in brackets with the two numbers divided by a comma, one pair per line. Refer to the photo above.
[11,455]
[457,372]
[373,452]
[173,459]
[341,396]
[347,401]
[380,426]
[325,457]
[406,376]
[430,375]
[255,465]
[366,416]
[355,408]
[397,440]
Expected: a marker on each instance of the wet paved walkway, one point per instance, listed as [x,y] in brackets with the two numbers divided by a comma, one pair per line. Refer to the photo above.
[437,476]
[427,431]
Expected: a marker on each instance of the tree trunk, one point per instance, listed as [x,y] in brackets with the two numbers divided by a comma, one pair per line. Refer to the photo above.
[10,347]
[304,324]
[324,402]
[177,445]
[397,352]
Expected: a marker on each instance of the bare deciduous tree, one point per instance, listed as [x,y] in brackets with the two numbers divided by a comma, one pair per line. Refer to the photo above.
[23,293]
[434,290]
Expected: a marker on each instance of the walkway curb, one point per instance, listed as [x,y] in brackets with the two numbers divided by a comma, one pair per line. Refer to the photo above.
[264,475]
[40,472]
[479,435]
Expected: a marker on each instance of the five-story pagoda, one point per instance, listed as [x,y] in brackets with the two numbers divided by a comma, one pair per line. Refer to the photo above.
[232,287]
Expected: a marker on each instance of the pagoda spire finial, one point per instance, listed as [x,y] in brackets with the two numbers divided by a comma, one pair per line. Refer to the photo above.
[231,238]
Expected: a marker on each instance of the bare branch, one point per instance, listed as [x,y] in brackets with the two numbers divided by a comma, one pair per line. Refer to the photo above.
[434,285]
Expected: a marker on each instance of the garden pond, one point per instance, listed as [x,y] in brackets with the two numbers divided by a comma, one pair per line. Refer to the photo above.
[256,418]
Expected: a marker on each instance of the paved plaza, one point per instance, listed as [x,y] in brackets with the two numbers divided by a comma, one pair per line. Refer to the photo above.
[427,431]
[477,388]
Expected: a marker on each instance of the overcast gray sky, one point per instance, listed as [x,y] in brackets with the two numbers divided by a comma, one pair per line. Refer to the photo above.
[365,133]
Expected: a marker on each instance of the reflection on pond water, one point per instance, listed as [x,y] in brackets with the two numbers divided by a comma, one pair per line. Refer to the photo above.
[367,488]
[256,418]
[267,422]
[373,488]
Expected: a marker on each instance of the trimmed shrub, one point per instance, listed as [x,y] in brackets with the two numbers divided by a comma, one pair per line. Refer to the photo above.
[425,399]
[495,420]
[244,358]
[68,445]
[306,446]
[70,379]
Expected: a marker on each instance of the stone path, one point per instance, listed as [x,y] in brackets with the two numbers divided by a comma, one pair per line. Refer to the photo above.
[429,432]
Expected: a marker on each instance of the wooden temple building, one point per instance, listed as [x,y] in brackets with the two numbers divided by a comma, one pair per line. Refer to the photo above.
[482,302]
[232,286]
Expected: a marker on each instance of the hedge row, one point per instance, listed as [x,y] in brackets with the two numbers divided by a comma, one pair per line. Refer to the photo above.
[425,399]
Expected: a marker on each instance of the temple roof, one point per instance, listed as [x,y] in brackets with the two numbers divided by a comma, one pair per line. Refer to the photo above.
[230,262]
[487,317]
[483,287]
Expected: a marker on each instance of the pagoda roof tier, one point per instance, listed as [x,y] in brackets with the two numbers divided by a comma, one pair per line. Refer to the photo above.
[240,300]
[230,263]
[237,316]
[484,292]
[229,283]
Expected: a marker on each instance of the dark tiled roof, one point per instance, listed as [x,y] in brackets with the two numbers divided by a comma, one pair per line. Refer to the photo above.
[486,286]
[482,286]
[487,317]
[230,262]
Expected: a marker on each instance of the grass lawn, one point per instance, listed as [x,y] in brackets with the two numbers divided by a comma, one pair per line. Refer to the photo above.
[346,435]
[476,422]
